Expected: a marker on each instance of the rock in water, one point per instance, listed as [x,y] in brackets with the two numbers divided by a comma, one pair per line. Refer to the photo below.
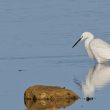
[39,96]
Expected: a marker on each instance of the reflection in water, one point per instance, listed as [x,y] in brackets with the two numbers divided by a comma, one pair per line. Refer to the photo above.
[96,79]
[48,104]
[41,97]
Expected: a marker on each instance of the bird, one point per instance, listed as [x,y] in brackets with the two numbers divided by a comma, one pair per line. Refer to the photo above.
[96,48]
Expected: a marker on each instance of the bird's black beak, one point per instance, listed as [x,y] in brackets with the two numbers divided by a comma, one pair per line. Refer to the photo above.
[77,42]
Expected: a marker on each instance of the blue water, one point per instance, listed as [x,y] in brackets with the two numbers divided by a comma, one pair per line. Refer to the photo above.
[36,38]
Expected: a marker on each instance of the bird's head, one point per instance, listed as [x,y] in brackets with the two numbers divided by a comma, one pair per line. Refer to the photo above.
[84,36]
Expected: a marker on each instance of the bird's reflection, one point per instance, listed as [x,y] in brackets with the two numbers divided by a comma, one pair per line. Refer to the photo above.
[96,79]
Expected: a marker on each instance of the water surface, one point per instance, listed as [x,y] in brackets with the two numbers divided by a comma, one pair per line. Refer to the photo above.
[36,39]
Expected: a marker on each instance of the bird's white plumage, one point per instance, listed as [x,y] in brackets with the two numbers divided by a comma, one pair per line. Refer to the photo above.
[88,49]
[96,48]
[100,49]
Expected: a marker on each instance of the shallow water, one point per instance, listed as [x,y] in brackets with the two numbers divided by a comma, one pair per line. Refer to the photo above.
[35,48]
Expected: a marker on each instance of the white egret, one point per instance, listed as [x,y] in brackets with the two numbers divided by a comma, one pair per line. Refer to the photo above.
[96,48]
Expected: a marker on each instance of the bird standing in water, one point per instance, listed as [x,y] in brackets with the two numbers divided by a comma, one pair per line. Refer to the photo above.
[96,48]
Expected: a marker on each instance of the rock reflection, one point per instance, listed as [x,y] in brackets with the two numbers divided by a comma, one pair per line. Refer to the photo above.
[48,104]
[96,79]
[48,98]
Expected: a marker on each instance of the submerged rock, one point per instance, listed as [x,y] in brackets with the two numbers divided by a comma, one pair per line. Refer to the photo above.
[43,97]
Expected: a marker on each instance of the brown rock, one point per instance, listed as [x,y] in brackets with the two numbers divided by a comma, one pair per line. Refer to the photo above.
[41,97]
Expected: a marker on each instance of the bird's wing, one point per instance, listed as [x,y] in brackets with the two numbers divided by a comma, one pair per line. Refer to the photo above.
[101,48]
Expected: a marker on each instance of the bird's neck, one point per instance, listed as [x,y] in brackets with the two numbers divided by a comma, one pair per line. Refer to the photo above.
[87,46]
[87,41]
